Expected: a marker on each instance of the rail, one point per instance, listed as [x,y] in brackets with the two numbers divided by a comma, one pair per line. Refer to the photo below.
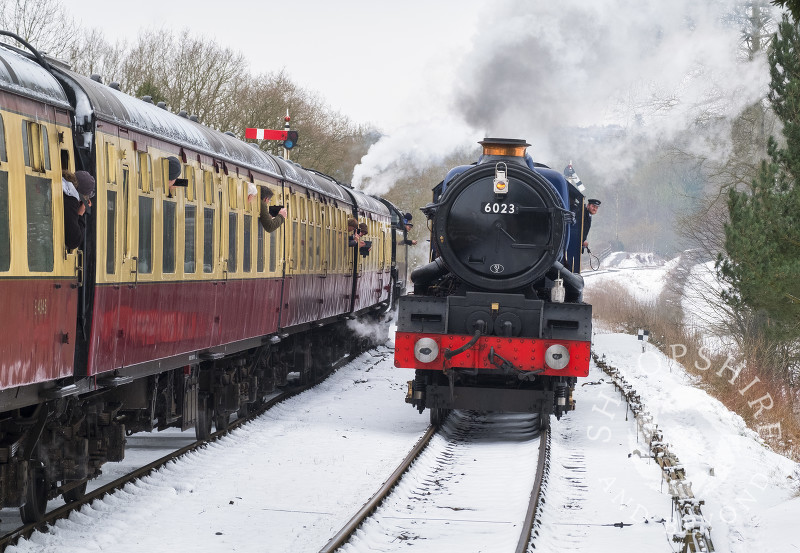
[542,469]
[11,538]
[343,536]
[532,515]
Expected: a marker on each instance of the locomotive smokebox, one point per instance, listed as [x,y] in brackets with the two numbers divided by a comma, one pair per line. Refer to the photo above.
[500,225]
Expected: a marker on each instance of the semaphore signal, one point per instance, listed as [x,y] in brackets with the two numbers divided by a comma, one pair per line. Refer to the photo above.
[289,137]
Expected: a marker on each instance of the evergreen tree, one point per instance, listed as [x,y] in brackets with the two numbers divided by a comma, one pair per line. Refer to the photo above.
[762,239]
[792,5]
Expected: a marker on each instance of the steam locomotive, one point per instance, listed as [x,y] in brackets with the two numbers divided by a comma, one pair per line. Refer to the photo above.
[496,321]
[178,309]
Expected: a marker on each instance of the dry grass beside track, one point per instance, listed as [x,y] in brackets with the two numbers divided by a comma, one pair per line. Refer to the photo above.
[617,309]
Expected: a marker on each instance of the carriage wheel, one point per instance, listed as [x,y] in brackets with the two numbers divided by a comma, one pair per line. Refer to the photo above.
[76,493]
[205,416]
[35,497]
[222,421]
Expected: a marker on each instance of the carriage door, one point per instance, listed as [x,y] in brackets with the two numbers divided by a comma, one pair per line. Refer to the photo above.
[142,184]
[110,270]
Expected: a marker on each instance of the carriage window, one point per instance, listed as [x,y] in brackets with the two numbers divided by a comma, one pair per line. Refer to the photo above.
[273,251]
[303,242]
[165,176]
[46,149]
[233,186]
[145,235]
[32,145]
[189,174]
[208,240]
[232,219]
[318,250]
[5,235]
[169,237]
[295,240]
[111,228]
[3,155]
[246,255]
[111,164]
[189,240]
[39,208]
[26,153]
[311,241]
[208,185]
[124,211]
[145,172]
[260,252]
[199,184]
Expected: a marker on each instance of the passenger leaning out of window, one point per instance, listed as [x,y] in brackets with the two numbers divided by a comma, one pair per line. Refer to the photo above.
[78,190]
[353,235]
[365,245]
[270,216]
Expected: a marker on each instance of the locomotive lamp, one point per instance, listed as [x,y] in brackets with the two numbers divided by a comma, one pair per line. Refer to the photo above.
[558,292]
[500,179]
[426,350]
[556,357]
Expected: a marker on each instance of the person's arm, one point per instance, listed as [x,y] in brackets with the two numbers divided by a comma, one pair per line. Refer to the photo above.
[74,223]
[267,221]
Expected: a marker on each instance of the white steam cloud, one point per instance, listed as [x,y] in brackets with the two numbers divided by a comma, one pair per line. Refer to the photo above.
[408,148]
[644,71]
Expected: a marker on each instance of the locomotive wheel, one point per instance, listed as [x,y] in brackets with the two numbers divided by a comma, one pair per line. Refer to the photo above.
[205,416]
[438,416]
[75,493]
[35,497]
[222,421]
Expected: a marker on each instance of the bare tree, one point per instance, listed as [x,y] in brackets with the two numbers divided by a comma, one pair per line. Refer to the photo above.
[199,76]
[44,24]
[93,54]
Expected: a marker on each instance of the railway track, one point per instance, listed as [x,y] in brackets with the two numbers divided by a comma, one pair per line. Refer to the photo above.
[476,481]
[51,517]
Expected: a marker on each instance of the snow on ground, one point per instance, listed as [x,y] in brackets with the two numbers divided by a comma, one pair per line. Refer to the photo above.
[641,274]
[632,260]
[744,484]
[289,480]
[596,480]
[284,482]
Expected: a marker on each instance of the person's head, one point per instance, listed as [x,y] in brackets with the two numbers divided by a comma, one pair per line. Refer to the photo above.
[174,169]
[266,194]
[409,226]
[252,192]
[352,225]
[362,228]
[85,185]
[592,205]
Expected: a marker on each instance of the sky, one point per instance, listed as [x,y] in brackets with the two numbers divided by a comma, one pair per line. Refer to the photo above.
[435,76]
[376,62]
[296,474]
